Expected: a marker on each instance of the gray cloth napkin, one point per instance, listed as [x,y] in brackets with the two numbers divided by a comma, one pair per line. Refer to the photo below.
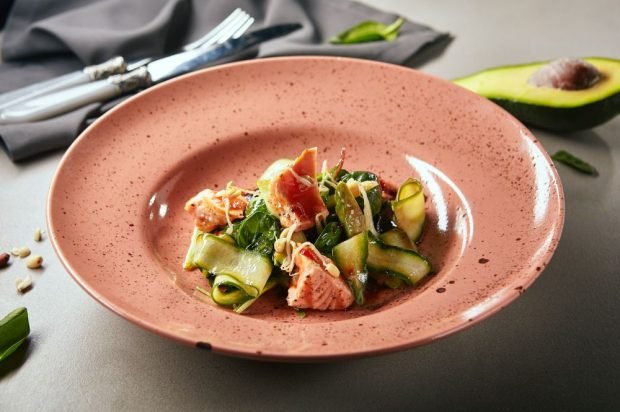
[46,38]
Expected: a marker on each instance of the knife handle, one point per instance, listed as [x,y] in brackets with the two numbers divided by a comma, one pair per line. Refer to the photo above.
[88,74]
[62,101]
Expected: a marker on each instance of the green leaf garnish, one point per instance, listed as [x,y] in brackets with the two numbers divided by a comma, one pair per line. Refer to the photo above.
[573,161]
[14,329]
[368,31]
[300,313]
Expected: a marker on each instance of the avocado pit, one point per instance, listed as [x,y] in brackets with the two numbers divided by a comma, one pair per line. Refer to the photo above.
[566,74]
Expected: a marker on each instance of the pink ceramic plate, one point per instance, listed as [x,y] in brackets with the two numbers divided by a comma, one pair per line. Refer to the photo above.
[495,206]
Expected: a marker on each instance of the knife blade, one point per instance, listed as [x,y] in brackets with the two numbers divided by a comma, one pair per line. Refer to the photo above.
[56,103]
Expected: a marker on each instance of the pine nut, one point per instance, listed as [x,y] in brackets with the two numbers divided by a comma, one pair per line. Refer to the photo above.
[22,252]
[332,270]
[34,262]
[280,245]
[23,285]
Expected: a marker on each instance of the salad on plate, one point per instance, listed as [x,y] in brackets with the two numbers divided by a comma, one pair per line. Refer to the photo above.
[327,237]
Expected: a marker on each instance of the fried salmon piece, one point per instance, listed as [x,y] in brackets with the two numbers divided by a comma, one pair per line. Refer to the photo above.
[209,208]
[294,193]
[313,287]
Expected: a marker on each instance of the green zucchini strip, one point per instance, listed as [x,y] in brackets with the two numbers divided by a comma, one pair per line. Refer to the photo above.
[228,291]
[196,244]
[409,208]
[350,256]
[348,211]
[241,308]
[405,264]
[396,237]
[240,274]
[389,280]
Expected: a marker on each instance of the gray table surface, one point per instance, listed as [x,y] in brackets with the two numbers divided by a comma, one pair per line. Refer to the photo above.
[556,347]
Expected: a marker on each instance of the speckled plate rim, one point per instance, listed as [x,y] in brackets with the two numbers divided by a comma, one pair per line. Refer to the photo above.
[499,301]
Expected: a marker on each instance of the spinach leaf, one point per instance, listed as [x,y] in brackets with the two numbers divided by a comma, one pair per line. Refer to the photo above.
[384,221]
[330,201]
[374,195]
[257,204]
[14,330]
[576,163]
[362,176]
[341,174]
[327,195]
[375,199]
[259,230]
[280,277]
[332,217]
[368,31]
[328,238]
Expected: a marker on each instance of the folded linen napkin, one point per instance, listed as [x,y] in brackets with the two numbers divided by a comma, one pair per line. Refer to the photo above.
[43,39]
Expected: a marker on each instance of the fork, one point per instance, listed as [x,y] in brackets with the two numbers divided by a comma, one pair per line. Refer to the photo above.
[237,21]
[157,71]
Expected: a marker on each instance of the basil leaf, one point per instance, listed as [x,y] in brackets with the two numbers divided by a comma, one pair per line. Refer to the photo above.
[576,163]
[368,31]
[14,329]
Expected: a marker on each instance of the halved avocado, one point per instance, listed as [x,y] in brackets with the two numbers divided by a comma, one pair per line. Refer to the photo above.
[549,108]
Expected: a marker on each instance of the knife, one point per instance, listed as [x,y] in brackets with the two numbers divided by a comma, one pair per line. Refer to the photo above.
[53,104]
[115,65]
[118,65]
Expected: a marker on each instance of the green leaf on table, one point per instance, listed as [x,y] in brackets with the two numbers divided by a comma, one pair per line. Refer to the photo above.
[573,161]
[368,31]
[14,329]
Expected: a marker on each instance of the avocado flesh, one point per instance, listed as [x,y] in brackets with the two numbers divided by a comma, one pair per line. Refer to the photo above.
[548,108]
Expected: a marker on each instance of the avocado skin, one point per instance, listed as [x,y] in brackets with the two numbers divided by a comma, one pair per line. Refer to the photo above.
[551,110]
[559,119]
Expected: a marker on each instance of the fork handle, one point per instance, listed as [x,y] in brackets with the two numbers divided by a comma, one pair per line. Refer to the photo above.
[86,75]
[53,104]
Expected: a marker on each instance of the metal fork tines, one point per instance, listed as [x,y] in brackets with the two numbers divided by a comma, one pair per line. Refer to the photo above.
[235,21]
[233,26]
